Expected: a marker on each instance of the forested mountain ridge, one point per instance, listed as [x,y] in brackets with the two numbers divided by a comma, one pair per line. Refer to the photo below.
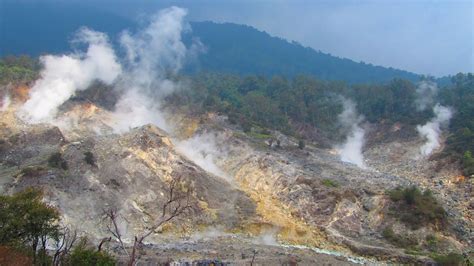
[242,49]
[33,29]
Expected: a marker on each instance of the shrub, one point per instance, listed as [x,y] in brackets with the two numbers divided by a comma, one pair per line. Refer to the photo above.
[301,144]
[399,240]
[89,158]
[417,209]
[84,255]
[468,164]
[451,259]
[431,241]
[56,160]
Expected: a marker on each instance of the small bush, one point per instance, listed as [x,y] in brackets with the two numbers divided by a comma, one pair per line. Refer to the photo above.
[330,183]
[451,259]
[84,255]
[416,208]
[301,144]
[399,240]
[89,158]
[56,160]
[431,241]
[468,164]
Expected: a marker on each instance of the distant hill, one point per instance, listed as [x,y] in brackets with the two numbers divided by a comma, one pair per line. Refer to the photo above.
[37,28]
[245,50]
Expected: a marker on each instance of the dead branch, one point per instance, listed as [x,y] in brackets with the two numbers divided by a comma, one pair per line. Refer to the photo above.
[177,204]
[102,242]
[112,228]
[64,245]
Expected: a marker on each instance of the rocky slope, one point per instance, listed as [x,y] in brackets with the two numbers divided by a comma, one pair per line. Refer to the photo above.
[262,198]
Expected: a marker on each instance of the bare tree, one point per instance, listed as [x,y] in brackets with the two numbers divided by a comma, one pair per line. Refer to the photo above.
[178,203]
[64,245]
[254,253]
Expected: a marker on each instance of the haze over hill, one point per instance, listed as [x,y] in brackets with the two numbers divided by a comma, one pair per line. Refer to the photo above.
[229,48]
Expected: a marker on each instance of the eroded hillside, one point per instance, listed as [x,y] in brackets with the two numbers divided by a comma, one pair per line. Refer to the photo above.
[291,203]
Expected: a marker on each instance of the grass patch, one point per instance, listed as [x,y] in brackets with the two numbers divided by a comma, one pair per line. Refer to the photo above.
[330,183]
[451,259]
[258,135]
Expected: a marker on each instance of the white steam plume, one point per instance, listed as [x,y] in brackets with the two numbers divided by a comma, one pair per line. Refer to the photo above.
[134,110]
[426,93]
[203,150]
[152,54]
[5,103]
[351,150]
[431,131]
[63,75]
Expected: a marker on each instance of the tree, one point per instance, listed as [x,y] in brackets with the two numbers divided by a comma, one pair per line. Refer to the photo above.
[27,221]
[468,163]
[177,204]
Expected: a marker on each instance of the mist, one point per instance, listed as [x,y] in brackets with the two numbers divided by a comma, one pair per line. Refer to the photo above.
[426,92]
[351,150]
[431,131]
[63,75]
[5,103]
[203,150]
[152,53]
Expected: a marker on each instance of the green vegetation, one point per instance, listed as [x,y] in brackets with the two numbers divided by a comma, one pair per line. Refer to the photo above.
[18,69]
[401,241]
[290,105]
[417,209]
[27,224]
[330,183]
[83,254]
[301,144]
[56,161]
[25,221]
[461,141]
[294,106]
[468,163]
[451,259]
[89,158]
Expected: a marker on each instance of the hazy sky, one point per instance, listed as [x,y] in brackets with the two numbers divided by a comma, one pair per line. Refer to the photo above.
[422,36]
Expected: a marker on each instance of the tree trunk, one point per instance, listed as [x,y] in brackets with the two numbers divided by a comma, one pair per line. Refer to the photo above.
[34,246]
[133,254]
